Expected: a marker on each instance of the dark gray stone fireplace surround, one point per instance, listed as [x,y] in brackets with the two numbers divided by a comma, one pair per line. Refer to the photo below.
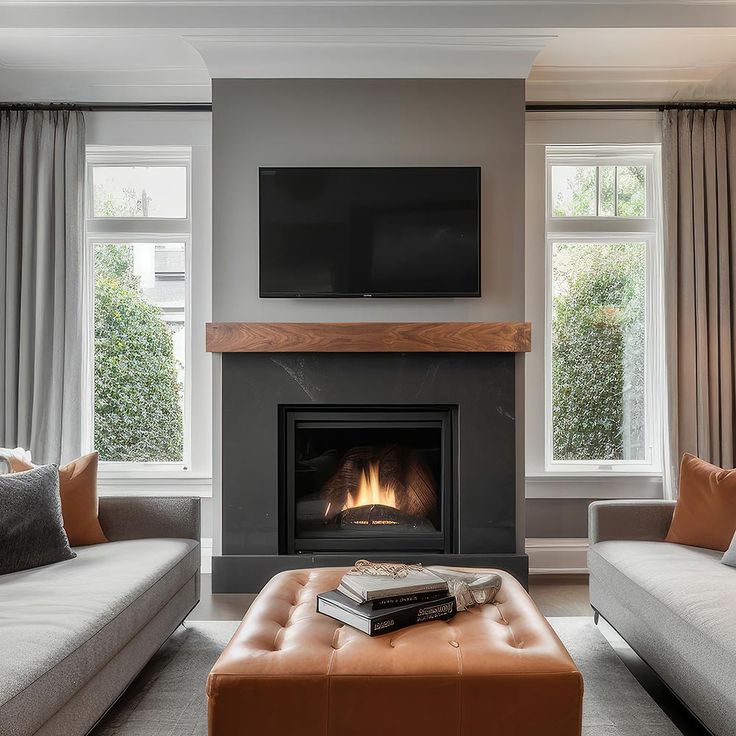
[478,390]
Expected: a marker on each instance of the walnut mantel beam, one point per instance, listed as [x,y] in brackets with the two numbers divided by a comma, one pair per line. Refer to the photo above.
[369,337]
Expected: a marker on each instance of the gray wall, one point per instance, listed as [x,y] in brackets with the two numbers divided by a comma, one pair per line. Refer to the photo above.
[366,122]
[370,122]
[557,517]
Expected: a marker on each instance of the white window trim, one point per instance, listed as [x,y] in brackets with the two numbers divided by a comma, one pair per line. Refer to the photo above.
[143,477]
[613,229]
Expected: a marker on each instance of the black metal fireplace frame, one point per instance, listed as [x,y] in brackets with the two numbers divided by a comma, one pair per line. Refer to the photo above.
[368,416]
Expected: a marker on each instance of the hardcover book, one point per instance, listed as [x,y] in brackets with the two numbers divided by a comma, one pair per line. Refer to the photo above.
[372,587]
[365,618]
[395,600]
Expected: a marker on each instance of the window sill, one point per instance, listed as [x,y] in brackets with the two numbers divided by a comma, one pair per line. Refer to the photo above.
[596,472]
[182,483]
[602,484]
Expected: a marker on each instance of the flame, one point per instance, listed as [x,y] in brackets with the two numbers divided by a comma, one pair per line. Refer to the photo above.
[370,490]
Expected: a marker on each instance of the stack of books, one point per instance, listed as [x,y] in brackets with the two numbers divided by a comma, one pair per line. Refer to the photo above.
[378,605]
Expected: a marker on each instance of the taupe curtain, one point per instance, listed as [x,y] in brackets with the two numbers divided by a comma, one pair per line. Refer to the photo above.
[699,168]
[42,166]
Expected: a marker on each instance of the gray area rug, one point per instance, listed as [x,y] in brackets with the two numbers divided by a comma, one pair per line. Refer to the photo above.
[168,698]
[615,704]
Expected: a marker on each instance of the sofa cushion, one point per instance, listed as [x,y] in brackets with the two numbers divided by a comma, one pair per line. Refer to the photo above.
[730,557]
[31,529]
[60,624]
[682,579]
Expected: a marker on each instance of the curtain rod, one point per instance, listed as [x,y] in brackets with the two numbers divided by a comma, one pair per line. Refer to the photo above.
[207,106]
[625,106]
[111,106]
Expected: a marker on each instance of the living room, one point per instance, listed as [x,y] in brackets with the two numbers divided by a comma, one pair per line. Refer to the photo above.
[372,352]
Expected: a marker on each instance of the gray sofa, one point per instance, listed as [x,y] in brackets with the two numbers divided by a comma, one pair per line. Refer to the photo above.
[674,605]
[73,635]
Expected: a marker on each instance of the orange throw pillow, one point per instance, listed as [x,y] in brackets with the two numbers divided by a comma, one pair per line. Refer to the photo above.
[705,514]
[78,489]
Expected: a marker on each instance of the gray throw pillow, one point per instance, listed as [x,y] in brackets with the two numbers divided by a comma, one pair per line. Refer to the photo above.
[730,557]
[31,526]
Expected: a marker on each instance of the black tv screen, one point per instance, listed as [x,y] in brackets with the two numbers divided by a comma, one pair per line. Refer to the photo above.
[370,232]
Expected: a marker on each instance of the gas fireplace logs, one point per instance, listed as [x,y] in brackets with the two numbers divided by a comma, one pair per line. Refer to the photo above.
[381,486]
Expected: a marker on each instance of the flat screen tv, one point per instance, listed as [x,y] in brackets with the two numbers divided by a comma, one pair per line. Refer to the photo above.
[370,232]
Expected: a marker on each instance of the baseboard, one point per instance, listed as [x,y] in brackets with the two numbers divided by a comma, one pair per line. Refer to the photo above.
[206,546]
[555,556]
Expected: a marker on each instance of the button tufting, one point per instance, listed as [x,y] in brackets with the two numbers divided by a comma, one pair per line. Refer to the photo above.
[454,644]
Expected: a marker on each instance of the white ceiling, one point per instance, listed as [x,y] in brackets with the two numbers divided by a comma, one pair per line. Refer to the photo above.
[168,50]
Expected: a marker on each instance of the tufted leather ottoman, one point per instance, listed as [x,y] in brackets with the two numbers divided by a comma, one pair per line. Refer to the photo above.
[290,671]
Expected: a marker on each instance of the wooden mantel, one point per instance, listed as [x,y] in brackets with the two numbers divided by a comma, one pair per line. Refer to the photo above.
[369,337]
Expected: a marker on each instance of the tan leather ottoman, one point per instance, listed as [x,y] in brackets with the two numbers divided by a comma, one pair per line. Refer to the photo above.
[290,671]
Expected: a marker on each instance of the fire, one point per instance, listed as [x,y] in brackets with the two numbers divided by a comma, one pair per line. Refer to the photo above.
[370,490]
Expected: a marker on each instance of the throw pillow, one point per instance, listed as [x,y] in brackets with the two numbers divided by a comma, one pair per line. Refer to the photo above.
[730,557]
[705,514]
[31,530]
[10,455]
[78,485]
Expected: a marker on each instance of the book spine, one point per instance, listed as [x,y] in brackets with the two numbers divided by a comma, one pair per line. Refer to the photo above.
[406,600]
[439,610]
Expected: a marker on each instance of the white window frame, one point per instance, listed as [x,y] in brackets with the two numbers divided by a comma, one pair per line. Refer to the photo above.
[647,229]
[142,230]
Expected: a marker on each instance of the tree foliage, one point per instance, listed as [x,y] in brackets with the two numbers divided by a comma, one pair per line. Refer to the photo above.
[598,351]
[138,414]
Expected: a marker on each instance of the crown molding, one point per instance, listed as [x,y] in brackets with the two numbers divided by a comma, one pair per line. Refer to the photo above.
[632,84]
[374,53]
[142,85]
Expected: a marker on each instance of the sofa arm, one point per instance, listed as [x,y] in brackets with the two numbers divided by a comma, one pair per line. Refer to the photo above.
[145,517]
[645,520]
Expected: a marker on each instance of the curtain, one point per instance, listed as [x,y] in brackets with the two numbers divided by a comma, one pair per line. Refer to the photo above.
[699,177]
[42,168]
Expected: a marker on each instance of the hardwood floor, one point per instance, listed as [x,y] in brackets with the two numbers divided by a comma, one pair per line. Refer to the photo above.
[561,595]
[220,606]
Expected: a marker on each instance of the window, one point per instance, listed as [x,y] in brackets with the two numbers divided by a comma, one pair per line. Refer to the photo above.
[603,302]
[139,191]
[138,239]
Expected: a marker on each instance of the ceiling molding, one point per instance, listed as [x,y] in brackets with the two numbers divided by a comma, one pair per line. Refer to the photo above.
[548,83]
[378,53]
[142,85]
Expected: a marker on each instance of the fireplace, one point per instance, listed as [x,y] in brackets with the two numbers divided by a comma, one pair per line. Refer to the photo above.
[367,479]
[393,441]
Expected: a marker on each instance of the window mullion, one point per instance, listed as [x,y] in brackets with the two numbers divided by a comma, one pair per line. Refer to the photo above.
[138,228]
[596,227]
[615,191]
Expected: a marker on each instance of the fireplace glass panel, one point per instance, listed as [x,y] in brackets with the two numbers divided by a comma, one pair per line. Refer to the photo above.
[367,480]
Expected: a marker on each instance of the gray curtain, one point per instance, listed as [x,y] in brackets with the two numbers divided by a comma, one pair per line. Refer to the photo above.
[699,176]
[42,168]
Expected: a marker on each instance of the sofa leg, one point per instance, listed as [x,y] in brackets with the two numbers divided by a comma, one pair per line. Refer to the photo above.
[596,617]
